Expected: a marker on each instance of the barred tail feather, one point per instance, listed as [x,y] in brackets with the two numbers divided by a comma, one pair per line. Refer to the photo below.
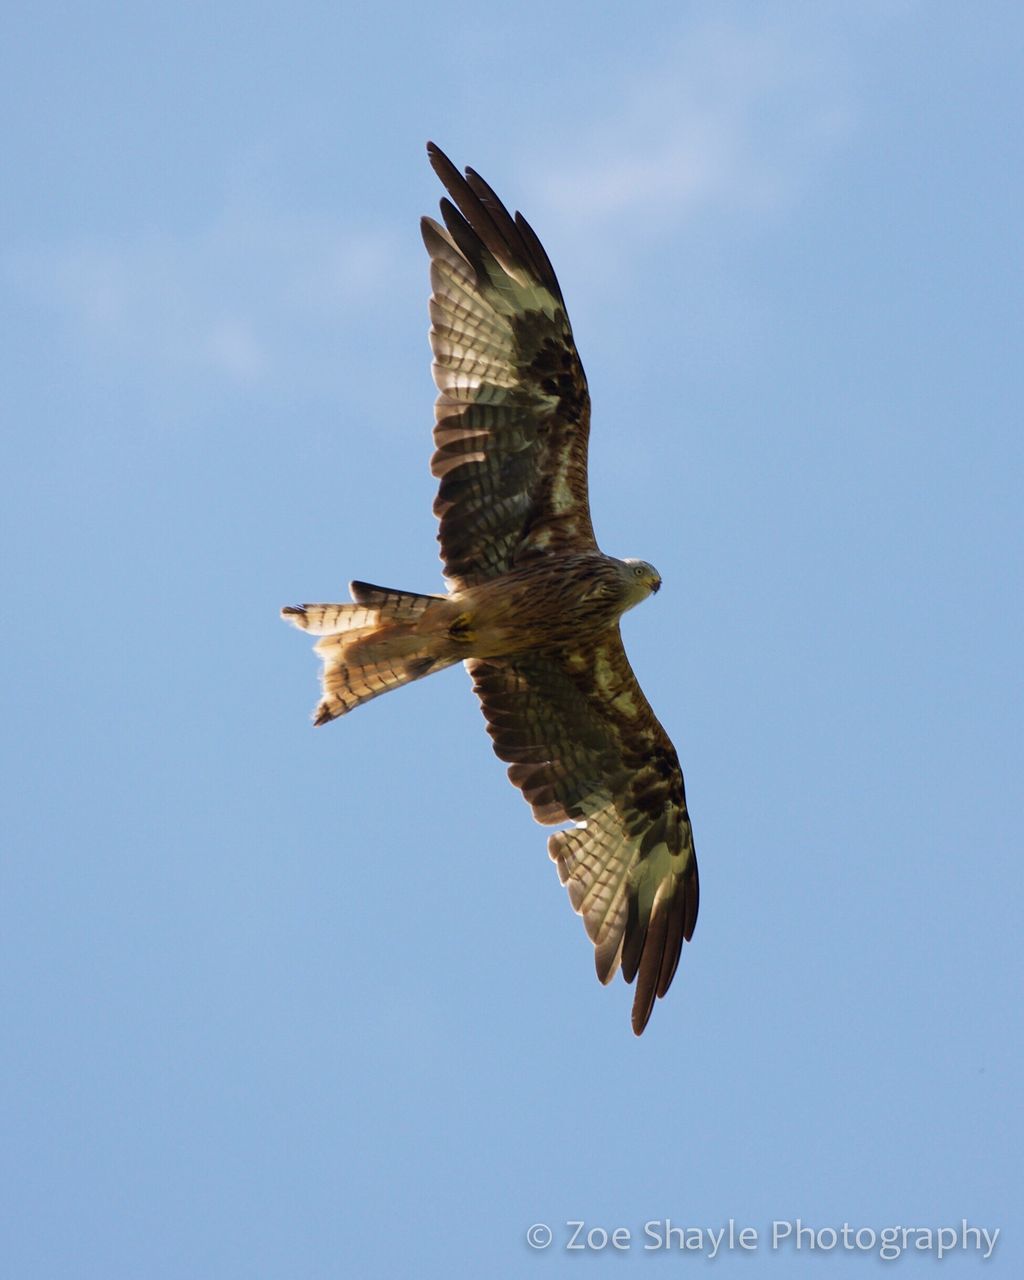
[383,640]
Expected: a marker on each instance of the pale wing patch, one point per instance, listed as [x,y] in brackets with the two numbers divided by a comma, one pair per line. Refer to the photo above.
[613,684]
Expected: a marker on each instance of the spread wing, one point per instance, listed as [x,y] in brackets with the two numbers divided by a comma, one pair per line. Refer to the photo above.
[513,411]
[584,746]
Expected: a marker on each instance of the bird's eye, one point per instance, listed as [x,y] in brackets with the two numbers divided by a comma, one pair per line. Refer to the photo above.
[638,571]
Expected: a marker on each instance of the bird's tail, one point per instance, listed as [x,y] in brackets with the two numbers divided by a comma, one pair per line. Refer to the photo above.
[385,639]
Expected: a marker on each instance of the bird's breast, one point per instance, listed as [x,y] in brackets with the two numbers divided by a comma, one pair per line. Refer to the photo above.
[553,602]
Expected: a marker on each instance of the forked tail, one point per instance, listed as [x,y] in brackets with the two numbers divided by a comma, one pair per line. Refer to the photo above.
[385,639]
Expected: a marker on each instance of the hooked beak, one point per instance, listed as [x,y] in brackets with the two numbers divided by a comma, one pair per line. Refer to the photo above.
[655,586]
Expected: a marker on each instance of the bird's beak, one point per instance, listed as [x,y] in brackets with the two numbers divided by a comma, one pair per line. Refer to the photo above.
[655,586]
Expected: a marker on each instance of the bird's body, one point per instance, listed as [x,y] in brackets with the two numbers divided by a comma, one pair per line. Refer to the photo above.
[544,606]
[534,605]
[548,603]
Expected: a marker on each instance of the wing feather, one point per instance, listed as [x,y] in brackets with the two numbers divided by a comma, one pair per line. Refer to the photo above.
[513,410]
[584,747]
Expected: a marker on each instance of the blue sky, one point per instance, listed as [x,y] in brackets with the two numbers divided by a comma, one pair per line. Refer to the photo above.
[283,1003]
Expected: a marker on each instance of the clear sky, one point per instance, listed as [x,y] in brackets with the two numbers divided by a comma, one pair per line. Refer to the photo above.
[292,1004]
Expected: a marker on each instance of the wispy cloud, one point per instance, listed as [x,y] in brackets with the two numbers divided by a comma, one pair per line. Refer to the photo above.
[247,298]
[725,119]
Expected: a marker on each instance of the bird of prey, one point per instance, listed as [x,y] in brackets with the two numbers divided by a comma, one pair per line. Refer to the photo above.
[532,606]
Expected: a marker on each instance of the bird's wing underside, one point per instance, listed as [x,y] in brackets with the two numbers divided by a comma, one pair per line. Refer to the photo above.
[584,746]
[513,411]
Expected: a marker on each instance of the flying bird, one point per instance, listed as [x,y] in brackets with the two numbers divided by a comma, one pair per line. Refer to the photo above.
[532,606]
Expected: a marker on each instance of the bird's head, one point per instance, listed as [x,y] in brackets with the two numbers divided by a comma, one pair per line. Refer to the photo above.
[642,580]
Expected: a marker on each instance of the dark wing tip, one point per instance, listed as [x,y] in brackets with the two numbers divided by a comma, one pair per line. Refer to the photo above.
[651,960]
[450,177]
[476,213]
[653,950]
